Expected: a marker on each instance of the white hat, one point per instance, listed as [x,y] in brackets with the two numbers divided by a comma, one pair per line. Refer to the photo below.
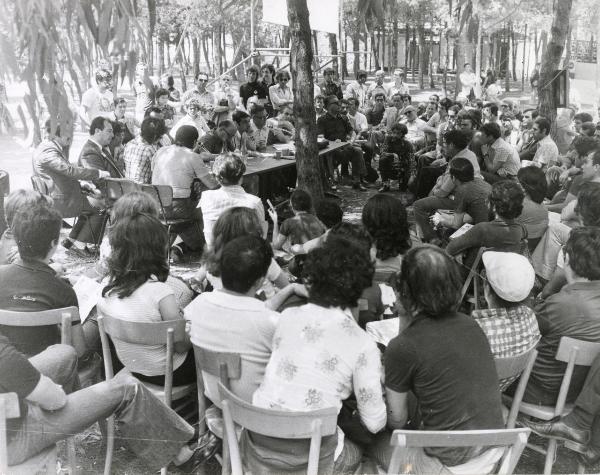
[510,275]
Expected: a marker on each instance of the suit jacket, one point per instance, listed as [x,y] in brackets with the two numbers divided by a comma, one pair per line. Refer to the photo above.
[61,178]
[92,156]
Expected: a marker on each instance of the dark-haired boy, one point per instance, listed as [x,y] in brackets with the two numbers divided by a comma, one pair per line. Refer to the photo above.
[502,160]
[233,320]
[302,227]
[31,285]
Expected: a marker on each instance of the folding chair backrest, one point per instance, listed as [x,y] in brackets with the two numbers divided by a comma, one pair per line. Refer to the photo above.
[114,188]
[163,194]
[585,351]
[225,366]
[60,316]
[9,409]
[273,423]
[511,367]
[473,277]
[514,439]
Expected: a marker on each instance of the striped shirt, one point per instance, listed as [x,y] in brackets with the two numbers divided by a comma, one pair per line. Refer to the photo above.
[141,306]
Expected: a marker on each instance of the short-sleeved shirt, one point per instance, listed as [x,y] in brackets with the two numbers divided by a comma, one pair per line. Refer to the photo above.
[507,156]
[177,167]
[447,364]
[138,156]
[331,89]
[31,286]
[258,89]
[334,127]
[547,152]
[472,198]
[227,322]
[17,375]
[302,228]
[98,103]
[574,312]
[511,332]
[141,306]
[534,217]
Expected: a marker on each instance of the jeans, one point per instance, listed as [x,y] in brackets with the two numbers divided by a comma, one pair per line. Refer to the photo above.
[546,253]
[413,459]
[426,175]
[587,404]
[423,209]
[190,233]
[156,440]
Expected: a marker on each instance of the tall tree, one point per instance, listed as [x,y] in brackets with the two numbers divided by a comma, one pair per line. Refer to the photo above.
[552,58]
[308,162]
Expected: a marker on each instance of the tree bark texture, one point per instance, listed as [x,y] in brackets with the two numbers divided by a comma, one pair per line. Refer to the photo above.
[552,58]
[150,34]
[161,56]
[308,162]
[422,55]
[333,49]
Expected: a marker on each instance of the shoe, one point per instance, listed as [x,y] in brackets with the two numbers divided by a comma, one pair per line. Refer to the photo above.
[176,254]
[208,446]
[556,428]
[359,187]
[590,457]
[66,243]
[384,188]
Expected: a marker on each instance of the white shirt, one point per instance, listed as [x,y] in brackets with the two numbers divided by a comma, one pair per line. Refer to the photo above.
[226,322]
[98,103]
[546,153]
[467,81]
[198,122]
[214,202]
[320,356]
[401,89]
[415,129]
[359,122]
[278,96]
[357,91]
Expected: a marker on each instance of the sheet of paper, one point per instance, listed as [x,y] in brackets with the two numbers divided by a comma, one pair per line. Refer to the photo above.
[459,232]
[383,331]
[88,294]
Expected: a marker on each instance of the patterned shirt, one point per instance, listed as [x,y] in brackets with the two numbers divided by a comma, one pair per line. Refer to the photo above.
[510,332]
[504,153]
[138,156]
[320,356]
[357,91]
[206,99]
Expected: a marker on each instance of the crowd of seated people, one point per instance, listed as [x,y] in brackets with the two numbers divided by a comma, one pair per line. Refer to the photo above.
[487,177]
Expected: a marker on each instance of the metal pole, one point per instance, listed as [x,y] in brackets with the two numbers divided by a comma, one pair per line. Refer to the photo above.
[251,26]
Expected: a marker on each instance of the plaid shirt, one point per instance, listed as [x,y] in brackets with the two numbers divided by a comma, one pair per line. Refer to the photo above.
[510,332]
[138,159]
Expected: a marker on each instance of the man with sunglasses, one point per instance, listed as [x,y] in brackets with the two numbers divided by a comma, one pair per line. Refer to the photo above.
[206,99]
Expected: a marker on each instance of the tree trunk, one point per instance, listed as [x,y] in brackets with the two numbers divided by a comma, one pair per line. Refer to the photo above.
[478,55]
[374,49]
[150,34]
[315,43]
[422,55]
[513,51]
[218,52]
[536,46]
[523,64]
[356,47]
[430,60]
[446,64]
[195,56]
[551,60]
[204,44]
[406,45]
[568,52]
[224,50]
[598,55]
[507,60]
[161,56]
[394,62]
[333,49]
[414,55]
[544,41]
[308,162]
[460,56]
[344,57]
[383,52]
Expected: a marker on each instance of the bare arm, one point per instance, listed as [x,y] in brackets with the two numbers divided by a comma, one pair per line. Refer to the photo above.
[397,409]
[169,310]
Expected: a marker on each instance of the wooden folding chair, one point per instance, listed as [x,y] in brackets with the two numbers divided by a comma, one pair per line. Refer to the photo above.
[311,425]
[63,317]
[475,278]
[573,352]
[226,367]
[514,366]
[44,462]
[142,333]
[514,440]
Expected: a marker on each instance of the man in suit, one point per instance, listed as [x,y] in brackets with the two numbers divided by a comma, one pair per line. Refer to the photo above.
[94,155]
[61,178]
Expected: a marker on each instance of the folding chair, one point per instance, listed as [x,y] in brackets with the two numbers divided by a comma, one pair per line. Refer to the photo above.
[44,462]
[514,366]
[142,333]
[474,277]
[513,439]
[311,425]
[63,317]
[163,194]
[573,352]
[226,367]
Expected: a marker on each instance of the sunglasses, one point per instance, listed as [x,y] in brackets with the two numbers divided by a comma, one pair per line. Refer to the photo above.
[202,80]
[284,79]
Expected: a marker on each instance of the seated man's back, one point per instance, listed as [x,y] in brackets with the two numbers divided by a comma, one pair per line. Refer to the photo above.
[302,228]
